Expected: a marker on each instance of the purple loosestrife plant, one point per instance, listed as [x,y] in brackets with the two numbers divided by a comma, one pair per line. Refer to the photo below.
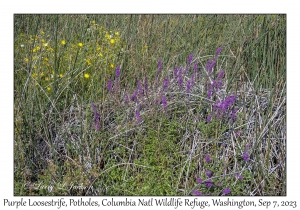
[218,52]
[188,86]
[209,173]
[207,158]
[209,183]
[246,156]
[118,71]
[166,84]
[138,117]
[210,65]
[190,58]
[208,120]
[226,191]
[134,96]
[164,101]
[197,193]
[199,180]
[195,68]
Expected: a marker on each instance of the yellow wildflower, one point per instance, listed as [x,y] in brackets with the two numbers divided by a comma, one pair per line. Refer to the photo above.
[42,32]
[117,33]
[100,54]
[47,79]
[42,74]
[48,88]
[26,60]
[45,44]
[80,44]
[112,65]
[43,40]
[88,61]
[112,41]
[93,22]
[63,42]
[61,75]
[86,76]
[34,74]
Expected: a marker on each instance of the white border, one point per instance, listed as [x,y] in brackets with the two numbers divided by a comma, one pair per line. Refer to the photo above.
[155,6]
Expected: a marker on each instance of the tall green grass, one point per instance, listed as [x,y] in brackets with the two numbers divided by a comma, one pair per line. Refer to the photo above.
[55,83]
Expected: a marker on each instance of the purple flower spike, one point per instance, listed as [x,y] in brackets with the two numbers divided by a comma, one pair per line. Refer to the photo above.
[239,176]
[190,58]
[159,66]
[166,84]
[246,156]
[164,101]
[188,86]
[195,68]
[133,96]
[118,71]
[197,193]
[208,183]
[207,158]
[208,120]
[209,173]
[199,180]
[226,191]
[221,74]
[218,52]
[210,65]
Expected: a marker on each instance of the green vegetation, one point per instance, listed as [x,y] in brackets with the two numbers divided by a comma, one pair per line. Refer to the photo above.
[76,135]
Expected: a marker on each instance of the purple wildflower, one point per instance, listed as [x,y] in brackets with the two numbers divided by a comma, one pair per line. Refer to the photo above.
[209,92]
[190,58]
[209,173]
[207,158]
[180,78]
[109,85]
[221,74]
[239,176]
[166,84]
[195,68]
[208,120]
[219,84]
[210,65]
[159,67]
[226,191]
[118,71]
[164,101]
[133,96]
[188,86]
[138,117]
[246,156]
[199,180]
[197,193]
[218,52]
[208,183]
[248,146]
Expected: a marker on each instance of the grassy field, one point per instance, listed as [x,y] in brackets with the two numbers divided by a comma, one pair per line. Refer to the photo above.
[150,105]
